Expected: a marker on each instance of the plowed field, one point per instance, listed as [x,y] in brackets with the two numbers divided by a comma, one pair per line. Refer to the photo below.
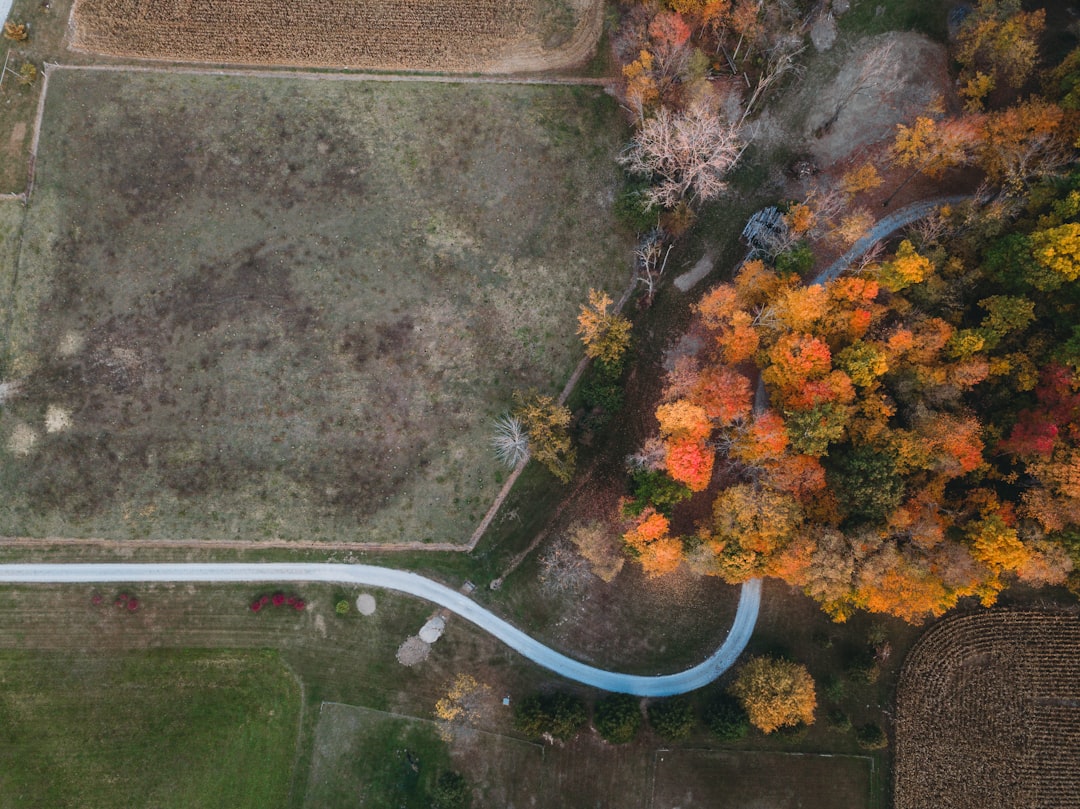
[988,714]
[442,35]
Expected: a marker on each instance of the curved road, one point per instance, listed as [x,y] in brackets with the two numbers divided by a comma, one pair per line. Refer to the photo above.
[412,584]
[882,228]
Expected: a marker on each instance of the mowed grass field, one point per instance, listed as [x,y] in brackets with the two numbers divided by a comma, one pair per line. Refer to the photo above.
[687,779]
[292,309]
[181,729]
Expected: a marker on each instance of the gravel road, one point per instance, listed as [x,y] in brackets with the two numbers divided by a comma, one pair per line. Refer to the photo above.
[405,582]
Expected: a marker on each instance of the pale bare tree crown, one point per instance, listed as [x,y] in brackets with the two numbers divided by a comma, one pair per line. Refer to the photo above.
[686,153]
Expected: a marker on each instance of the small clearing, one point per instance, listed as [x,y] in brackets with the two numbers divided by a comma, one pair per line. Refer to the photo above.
[853,97]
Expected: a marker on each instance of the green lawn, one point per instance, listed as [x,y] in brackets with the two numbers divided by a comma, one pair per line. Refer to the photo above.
[181,729]
[372,759]
[286,308]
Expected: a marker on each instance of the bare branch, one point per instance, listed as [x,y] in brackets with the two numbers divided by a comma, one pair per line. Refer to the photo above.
[685,153]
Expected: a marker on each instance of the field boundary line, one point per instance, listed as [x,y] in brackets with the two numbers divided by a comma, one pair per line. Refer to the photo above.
[504,492]
[187,69]
[230,544]
[35,141]
[426,720]
[298,753]
[871,803]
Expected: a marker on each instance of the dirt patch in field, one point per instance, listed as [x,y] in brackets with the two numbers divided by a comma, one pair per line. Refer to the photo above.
[988,714]
[18,135]
[854,96]
[443,35]
[413,651]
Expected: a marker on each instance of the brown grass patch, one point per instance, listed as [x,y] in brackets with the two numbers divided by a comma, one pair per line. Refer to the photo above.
[743,780]
[988,714]
[445,35]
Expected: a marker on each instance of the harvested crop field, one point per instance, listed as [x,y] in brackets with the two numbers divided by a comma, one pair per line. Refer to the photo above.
[988,714]
[442,35]
[292,309]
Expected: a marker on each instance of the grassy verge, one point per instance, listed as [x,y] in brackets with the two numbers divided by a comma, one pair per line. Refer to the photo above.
[869,17]
[157,728]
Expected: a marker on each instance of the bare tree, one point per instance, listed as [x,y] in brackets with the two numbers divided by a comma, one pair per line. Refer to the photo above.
[651,261]
[685,153]
[780,60]
[511,441]
[564,570]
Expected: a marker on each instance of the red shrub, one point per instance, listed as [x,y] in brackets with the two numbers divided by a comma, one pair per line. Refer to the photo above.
[133,604]
[278,599]
[256,606]
[299,605]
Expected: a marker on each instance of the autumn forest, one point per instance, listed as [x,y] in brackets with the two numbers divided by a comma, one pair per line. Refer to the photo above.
[891,435]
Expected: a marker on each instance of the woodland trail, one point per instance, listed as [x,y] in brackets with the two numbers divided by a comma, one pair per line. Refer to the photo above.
[883,228]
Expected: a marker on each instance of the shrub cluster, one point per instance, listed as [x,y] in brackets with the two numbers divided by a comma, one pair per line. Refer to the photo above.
[618,718]
[126,601]
[278,600]
[727,718]
[672,718]
[557,714]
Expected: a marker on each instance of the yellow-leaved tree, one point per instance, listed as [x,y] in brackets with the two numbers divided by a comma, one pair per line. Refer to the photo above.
[548,426]
[776,693]
[467,702]
[606,334]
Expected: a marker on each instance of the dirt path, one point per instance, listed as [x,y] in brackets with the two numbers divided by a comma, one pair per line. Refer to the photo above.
[884,228]
[314,75]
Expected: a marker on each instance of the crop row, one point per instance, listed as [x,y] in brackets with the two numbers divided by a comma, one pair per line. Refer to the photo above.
[1001,689]
[402,34]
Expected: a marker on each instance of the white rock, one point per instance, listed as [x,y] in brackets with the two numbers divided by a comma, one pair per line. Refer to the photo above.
[365,604]
[433,629]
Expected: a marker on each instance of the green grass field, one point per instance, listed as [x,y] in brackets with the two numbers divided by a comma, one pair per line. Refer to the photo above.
[179,729]
[367,758]
[286,308]
[925,16]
